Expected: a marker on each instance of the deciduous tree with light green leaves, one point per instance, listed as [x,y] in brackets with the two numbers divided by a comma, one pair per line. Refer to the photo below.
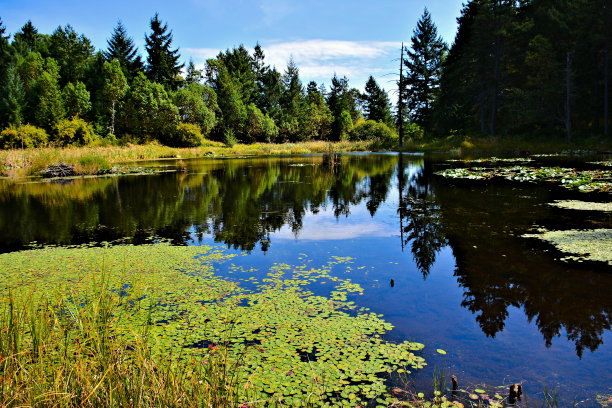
[115,87]
[77,100]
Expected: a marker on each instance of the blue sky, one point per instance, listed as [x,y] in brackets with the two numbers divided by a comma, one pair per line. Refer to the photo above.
[353,38]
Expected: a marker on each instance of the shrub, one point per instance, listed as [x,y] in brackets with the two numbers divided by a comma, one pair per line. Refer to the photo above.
[186,135]
[74,132]
[28,136]
[413,131]
[371,130]
[230,139]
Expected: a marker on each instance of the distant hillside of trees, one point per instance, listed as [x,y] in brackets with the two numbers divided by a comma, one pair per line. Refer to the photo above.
[535,68]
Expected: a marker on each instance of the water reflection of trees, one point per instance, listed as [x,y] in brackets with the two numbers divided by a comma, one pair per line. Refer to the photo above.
[420,225]
[238,202]
[497,269]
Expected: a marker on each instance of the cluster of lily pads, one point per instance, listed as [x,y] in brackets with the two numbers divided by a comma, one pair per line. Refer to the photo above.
[579,245]
[493,159]
[293,346]
[582,180]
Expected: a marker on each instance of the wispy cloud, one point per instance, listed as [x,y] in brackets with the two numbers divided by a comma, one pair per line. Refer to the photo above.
[320,59]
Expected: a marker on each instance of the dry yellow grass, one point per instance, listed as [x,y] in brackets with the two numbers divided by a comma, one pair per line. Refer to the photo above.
[89,160]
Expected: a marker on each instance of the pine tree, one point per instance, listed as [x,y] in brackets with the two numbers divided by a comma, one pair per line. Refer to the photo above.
[377,106]
[26,39]
[5,50]
[423,66]
[72,53]
[12,101]
[194,75]
[162,61]
[122,48]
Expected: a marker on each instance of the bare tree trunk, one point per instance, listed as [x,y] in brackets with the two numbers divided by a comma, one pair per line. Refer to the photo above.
[400,103]
[113,117]
[496,73]
[568,97]
[607,75]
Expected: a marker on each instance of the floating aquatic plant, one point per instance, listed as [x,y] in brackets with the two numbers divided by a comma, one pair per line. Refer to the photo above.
[582,205]
[294,346]
[582,180]
[589,245]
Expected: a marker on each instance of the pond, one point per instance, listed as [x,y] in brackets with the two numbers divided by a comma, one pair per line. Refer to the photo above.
[445,261]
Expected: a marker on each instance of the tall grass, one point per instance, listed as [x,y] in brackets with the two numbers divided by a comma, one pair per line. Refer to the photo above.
[92,159]
[60,351]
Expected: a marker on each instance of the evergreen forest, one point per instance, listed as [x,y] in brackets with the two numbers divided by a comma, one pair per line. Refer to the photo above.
[537,69]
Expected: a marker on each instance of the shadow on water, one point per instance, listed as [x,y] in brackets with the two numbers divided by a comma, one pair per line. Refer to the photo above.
[249,204]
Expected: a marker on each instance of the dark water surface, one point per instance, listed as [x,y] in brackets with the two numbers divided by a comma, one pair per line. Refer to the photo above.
[442,260]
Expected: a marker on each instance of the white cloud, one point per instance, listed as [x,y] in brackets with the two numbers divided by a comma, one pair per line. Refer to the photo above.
[320,59]
[200,55]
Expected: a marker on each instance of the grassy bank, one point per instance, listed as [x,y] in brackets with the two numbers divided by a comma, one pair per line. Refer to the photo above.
[93,160]
[511,144]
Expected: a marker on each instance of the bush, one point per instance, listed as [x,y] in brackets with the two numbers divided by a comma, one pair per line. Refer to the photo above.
[74,132]
[413,131]
[371,130]
[229,138]
[28,136]
[186,135]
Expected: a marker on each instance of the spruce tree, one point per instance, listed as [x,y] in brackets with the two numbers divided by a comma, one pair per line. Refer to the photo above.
[72,53]
[26,39]
[162,61]
[424,65]
[376,103]
[194,75]
[122,48]
[5,50]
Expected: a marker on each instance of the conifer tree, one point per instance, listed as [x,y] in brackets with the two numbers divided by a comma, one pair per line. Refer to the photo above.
[162,61]
[424,64]
[122,48]
[194,75]
[26,39]
[376,103]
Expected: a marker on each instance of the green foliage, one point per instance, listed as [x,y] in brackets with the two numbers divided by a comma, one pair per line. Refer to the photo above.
[12,99]
[122,290]
[377,105]
[115,87]
[121,48]
[259,127]
[423,66]
[150,113]
[47,98]
[77,101]
[345,124]
[27,136]
[413,131]
[370,130]
[197,104]
[229,138]
[72,53]
[74,132]
[186,135]
[232,107]
[162,61]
